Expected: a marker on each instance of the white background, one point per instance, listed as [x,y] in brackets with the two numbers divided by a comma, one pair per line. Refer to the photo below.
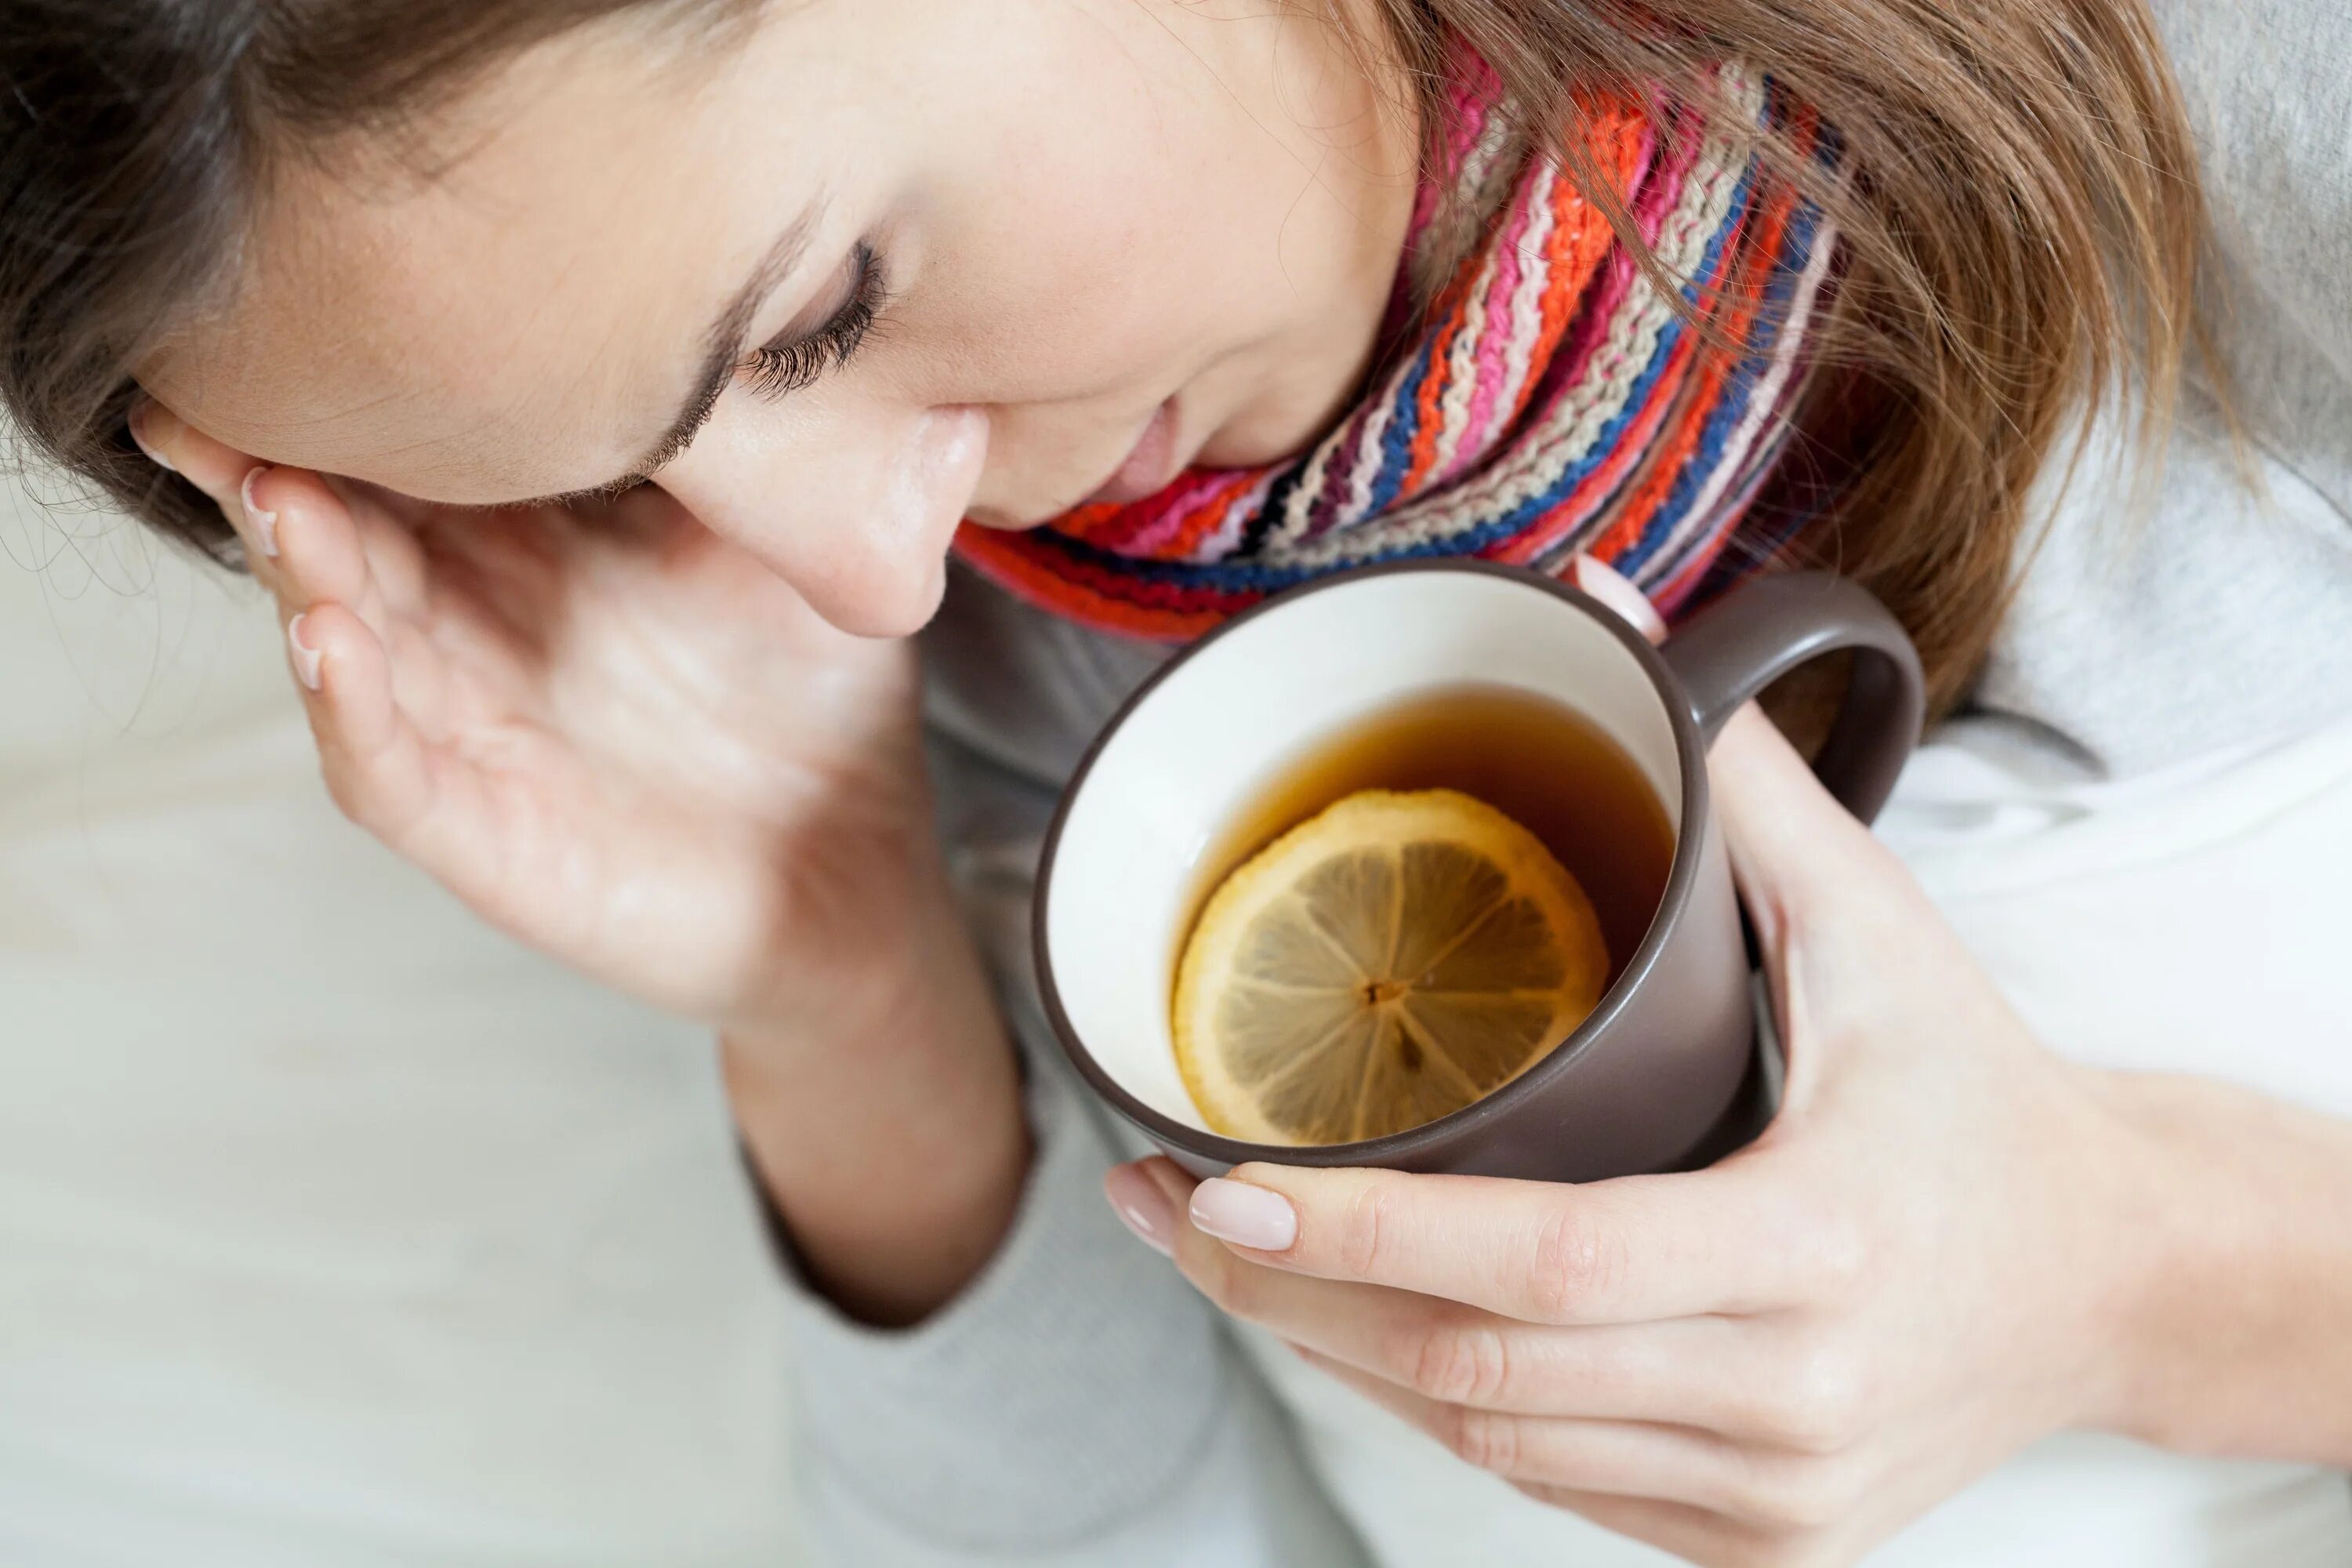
[333,1228]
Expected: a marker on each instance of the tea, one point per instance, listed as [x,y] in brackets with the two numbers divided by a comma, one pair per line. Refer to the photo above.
[1546,767]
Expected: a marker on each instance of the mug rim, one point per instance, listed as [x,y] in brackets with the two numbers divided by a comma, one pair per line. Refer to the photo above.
[1558,1060]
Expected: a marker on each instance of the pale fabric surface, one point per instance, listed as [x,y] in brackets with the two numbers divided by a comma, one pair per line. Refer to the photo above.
[2210,616]
[334,1230]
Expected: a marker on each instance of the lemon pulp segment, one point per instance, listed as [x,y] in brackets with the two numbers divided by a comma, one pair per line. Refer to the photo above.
[1382,964]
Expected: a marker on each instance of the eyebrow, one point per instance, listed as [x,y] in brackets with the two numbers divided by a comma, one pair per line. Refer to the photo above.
[722,351]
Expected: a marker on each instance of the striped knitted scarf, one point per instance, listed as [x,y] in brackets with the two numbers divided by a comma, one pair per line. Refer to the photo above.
[1553,401]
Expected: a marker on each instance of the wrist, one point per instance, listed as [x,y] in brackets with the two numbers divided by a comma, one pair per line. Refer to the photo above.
[881,952]
[2141,1221]
[2241,1277]
[889,1138]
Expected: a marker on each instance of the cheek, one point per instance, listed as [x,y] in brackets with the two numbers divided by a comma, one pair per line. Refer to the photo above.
[1094,259]
[1084,303]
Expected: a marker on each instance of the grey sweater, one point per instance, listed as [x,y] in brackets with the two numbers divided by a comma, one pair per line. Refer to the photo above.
[1079,1403]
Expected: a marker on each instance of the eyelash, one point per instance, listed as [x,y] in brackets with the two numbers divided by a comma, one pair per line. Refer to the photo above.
[781,368]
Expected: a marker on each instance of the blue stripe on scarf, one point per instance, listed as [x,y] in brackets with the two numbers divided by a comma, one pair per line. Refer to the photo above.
[1737,395]
[1404,424]
[1239,575]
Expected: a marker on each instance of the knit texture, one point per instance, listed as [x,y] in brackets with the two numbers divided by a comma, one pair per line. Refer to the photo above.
[1552,400]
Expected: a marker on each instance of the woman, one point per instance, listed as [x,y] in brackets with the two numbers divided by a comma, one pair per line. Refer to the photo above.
[598,389]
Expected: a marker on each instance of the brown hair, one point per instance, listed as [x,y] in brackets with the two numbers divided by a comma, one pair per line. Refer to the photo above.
[2022,237]
[136,140]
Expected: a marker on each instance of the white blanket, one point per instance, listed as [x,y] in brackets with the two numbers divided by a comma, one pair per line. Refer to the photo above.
[333,1229]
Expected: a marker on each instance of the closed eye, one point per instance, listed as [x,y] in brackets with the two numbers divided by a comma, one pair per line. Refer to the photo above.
[786,366]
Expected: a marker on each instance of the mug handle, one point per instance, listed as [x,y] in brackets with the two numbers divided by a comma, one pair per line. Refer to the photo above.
[1743,642]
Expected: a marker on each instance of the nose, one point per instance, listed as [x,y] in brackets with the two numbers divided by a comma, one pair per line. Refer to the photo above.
[854,503]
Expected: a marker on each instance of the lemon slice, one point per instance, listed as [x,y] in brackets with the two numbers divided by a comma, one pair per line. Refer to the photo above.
[1379,965]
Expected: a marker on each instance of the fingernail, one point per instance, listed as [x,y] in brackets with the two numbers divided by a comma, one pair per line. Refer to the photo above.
[307,661]
[151,427]
[1616,591]
[1138,1201]
[1246,1215]
[265,522]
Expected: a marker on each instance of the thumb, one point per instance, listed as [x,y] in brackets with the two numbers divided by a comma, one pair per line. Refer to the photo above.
[1794,849]
[1844,930]
[1795,852]
[1846,938]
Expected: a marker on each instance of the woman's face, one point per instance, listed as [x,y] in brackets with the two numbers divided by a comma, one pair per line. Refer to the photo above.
[1099,240]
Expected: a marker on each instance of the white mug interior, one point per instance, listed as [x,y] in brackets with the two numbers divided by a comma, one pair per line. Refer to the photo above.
[1221,726]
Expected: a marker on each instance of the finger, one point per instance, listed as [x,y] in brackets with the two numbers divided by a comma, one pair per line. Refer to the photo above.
[1790,839]
[1176,1184]
[1843,929]
[1689,1372]
[1619,1458]
[1617,592]
[1795,852]
[374,760]
[171,441]
[217,469]
[322,559]
[1693,1534]
[231,479]
[1142,1206]
[1723,1240]
[394,554]
[318,556]
[424,802]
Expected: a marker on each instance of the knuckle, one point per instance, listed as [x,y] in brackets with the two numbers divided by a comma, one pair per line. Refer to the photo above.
[1836,1251]
[1365,1230]
[1814,1224]
[1818,1407]
[1543,1492]
[1576,1263]
[1459,1363]
[1795,1497]
[1228,1282]
[1804,1508]
[1483,1439]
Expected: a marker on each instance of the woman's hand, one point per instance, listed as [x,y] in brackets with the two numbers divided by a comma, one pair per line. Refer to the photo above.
[1936,1255]
[629,744]
[612,734]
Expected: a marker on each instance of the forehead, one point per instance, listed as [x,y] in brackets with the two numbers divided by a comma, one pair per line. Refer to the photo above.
[484,317]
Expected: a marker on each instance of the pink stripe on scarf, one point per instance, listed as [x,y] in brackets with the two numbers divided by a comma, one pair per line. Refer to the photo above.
[1495,342]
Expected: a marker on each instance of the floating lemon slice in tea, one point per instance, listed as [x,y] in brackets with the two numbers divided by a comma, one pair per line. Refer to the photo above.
[1379,965]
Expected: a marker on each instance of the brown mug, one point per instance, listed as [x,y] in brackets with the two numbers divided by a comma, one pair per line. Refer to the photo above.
[1669,1059]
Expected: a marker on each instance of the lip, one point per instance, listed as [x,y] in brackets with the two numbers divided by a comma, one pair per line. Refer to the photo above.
[1150,465]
